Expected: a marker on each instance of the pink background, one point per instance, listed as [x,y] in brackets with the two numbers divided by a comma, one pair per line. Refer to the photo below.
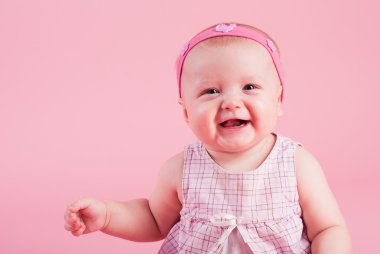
[88,105]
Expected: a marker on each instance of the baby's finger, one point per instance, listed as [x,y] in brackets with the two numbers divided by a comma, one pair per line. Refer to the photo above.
[68,227]
[73,208]
[67,215]
[79,231]
[73,221]
[76,221]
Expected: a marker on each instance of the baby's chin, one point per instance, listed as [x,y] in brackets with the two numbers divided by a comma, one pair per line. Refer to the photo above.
[237,146]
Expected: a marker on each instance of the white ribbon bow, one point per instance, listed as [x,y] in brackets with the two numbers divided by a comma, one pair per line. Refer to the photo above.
[230,221]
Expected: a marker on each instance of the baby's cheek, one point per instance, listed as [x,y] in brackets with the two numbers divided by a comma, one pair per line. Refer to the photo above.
[263,112]
[199,121]
[260,103]
[199,114]
[257,108]
[195,119]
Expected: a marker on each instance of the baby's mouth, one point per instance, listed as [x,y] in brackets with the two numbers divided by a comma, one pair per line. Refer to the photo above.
[234,123]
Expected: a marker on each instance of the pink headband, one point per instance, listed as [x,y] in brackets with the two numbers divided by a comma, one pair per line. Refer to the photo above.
[231,30]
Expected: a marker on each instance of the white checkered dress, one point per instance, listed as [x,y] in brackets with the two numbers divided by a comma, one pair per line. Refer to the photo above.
[261,205]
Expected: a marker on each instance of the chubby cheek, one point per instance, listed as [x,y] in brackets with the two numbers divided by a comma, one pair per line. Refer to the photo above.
[263,112]
[200,119]
[257,108]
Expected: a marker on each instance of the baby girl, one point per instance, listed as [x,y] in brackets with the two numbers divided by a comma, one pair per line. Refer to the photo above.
[241,188]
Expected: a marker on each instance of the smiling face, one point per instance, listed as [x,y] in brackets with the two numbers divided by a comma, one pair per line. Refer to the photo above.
[230,94]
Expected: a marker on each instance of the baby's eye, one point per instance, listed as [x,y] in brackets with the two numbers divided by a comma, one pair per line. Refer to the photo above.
[211,91]
[249,87]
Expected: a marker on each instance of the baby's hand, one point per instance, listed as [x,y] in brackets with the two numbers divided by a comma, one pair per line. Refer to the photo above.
[86,215]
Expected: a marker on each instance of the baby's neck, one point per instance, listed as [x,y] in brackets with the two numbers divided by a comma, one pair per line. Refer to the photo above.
[246,160]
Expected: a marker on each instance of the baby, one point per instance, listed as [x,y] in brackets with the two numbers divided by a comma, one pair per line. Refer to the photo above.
[241,188]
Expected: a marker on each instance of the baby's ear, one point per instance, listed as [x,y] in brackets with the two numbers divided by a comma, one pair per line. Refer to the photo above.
[184,110]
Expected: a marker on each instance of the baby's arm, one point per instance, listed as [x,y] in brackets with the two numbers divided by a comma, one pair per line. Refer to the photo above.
[150,220]
[136,220]
[325,224]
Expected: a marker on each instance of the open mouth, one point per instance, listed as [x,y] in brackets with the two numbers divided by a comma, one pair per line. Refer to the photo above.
[234,123]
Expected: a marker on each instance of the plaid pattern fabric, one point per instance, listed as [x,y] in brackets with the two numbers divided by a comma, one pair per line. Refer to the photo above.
[262,205]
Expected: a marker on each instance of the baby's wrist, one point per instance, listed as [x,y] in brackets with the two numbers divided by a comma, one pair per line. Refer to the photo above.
[107,217]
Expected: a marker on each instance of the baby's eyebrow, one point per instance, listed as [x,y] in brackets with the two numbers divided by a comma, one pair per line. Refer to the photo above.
[206,82]
[252,78]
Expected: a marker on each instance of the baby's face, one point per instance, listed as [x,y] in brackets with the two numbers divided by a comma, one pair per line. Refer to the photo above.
[230,95]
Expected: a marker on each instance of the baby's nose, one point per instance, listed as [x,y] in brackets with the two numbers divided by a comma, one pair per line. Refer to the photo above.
[231,101]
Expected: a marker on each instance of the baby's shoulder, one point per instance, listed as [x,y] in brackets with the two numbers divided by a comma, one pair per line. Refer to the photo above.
[309,171]
[171,174]
[174,163]
[304,158]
